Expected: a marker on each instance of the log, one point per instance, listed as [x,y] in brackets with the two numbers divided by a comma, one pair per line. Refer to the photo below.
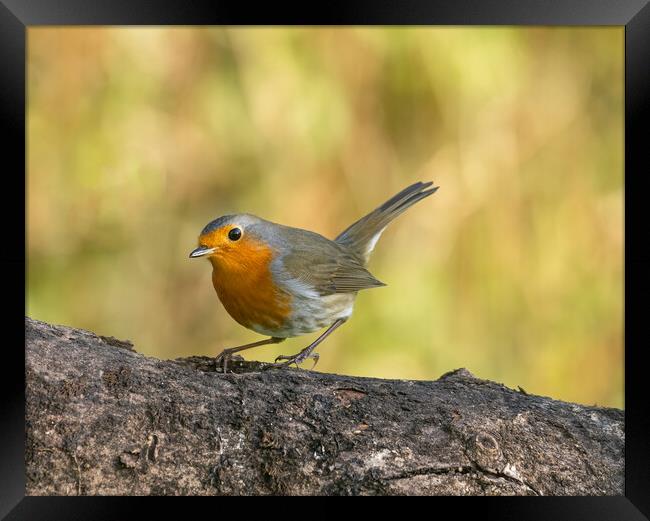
[102,419]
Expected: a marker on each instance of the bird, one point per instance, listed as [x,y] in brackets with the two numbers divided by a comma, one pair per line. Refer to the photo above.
[284,282]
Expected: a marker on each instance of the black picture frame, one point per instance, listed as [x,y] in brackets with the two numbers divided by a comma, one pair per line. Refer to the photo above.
[17,15]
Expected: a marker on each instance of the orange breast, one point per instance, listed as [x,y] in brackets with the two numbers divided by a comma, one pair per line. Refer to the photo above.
[243,281]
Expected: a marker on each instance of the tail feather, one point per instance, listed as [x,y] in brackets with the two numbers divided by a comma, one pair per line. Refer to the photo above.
[362,236]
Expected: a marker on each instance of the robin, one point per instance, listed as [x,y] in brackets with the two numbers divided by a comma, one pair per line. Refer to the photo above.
[284,282]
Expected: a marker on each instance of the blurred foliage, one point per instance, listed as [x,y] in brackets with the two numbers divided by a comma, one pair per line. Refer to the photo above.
[137,137]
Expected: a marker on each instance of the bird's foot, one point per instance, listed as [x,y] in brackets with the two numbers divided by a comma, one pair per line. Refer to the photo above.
[296,359]
[223,358]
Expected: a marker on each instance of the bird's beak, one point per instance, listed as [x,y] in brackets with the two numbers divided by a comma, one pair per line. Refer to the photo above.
[201,251]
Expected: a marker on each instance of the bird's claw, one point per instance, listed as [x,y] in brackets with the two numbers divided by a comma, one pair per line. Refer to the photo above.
[295,359]
[223,358]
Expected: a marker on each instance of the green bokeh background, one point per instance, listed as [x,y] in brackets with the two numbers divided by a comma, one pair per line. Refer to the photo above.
[137,137]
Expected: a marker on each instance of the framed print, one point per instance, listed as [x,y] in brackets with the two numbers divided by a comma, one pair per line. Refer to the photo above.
[473,304]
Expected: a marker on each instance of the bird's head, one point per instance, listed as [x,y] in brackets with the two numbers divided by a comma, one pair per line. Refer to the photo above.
[230,239]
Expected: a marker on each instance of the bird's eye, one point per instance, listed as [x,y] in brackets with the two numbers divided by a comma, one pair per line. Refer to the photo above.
[234,234]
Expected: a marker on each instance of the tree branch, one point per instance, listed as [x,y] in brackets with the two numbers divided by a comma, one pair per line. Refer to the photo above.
[103,419]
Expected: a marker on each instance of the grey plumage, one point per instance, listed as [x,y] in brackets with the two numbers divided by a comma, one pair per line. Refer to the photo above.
[217,223]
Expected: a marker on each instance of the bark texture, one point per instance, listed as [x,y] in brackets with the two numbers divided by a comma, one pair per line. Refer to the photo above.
[103,419]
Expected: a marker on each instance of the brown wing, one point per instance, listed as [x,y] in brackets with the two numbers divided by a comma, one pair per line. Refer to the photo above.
[350,275]
[323,265]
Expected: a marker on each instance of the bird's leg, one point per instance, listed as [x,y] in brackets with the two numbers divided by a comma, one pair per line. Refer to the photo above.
[226,354]
[306,352]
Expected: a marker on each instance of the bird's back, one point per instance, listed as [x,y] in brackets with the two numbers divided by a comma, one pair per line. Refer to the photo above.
[323,265]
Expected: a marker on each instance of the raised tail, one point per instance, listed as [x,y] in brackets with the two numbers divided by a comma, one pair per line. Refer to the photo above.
[362,236]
